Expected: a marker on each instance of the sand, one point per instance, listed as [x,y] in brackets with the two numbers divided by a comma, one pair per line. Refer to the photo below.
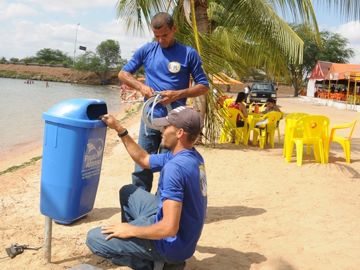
[264,213]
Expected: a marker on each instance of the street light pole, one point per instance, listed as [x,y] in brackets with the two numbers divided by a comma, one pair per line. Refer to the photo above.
[77,28]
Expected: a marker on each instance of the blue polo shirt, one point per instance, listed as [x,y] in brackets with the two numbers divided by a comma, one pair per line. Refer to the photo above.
[182,179]
[168,69]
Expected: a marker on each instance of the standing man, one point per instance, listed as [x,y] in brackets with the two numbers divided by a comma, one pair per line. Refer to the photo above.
[168,66]
[165,227]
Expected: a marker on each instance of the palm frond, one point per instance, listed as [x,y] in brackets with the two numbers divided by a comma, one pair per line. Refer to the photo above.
[260,25]
[135,12]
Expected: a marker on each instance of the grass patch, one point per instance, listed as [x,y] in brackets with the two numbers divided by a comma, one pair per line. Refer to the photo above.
[28,76]
[23,165]
[130,112]
[8,73]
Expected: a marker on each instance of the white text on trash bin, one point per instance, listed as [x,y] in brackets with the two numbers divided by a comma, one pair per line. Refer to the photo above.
[92,158]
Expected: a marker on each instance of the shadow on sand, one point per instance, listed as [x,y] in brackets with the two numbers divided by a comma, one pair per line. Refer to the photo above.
[97,214]
[224,258]
[231,212]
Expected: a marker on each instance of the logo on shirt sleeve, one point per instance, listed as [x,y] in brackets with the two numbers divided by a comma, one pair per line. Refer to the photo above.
[203,182]
[174,67]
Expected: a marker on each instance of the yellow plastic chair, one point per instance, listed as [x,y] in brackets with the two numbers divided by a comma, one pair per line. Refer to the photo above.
[229,130]
[226,127]
[278,128]
[251,121]
[315,130]
[262,107]
[227,102]
[265,133]
[225,133]
[343,141]
[251,107]
[289,132]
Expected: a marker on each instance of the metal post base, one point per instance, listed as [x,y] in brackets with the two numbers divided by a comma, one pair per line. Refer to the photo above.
[48,235]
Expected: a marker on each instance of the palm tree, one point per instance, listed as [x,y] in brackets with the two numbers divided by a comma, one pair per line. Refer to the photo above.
[233,36]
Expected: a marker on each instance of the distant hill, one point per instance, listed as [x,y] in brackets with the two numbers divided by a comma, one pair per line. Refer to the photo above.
[46,73]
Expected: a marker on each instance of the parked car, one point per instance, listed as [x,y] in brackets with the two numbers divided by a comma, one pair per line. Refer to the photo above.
[261,91]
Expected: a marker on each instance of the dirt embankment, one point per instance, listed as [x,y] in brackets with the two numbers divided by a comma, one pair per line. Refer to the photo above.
[59,74]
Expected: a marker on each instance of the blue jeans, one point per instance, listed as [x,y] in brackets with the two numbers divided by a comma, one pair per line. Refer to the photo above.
[150,141]
[139,208]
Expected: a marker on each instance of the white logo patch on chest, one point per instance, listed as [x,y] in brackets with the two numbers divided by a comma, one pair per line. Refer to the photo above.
[174,67]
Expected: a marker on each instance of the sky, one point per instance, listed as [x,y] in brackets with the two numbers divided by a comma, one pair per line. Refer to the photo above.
[27,26]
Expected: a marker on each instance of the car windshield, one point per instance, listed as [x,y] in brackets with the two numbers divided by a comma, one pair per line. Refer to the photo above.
[263,87]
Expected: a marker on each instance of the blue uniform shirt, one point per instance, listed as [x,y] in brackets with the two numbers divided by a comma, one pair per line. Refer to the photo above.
[182,179]
[168,69]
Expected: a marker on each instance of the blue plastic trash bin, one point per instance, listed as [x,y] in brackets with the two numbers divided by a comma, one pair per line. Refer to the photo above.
[73,146]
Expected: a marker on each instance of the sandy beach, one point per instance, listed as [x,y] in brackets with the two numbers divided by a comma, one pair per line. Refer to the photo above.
[264,213]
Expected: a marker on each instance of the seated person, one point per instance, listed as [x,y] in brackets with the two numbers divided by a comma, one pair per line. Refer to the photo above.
[271,106]
[238,104]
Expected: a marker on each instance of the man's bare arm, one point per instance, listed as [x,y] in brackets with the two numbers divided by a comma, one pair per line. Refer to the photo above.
[139,155]
[168,226]
[131,81]
[167,96]
[170,96]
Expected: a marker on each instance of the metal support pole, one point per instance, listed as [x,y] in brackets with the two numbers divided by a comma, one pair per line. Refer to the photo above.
[48,235]
[77,28]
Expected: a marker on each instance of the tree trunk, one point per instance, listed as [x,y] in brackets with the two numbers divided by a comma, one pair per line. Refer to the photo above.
[296,78]
[201,16]
[203,26]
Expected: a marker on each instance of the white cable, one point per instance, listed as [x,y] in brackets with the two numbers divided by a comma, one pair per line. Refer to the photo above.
[148,110]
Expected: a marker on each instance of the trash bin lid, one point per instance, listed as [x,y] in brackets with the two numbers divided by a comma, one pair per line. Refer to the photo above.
[77,112]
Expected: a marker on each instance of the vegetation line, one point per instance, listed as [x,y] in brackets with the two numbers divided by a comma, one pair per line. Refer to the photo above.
[23,165]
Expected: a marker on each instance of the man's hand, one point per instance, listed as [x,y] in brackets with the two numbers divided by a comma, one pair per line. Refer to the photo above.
[125,87]
[131,81]
[111,122]
[119,230]
[147,91]
[169,96]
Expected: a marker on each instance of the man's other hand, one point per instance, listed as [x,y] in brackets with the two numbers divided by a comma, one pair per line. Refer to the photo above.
[169,96]
[119,230]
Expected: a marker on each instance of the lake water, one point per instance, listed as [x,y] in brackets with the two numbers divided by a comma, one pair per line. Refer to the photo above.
[22,105]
